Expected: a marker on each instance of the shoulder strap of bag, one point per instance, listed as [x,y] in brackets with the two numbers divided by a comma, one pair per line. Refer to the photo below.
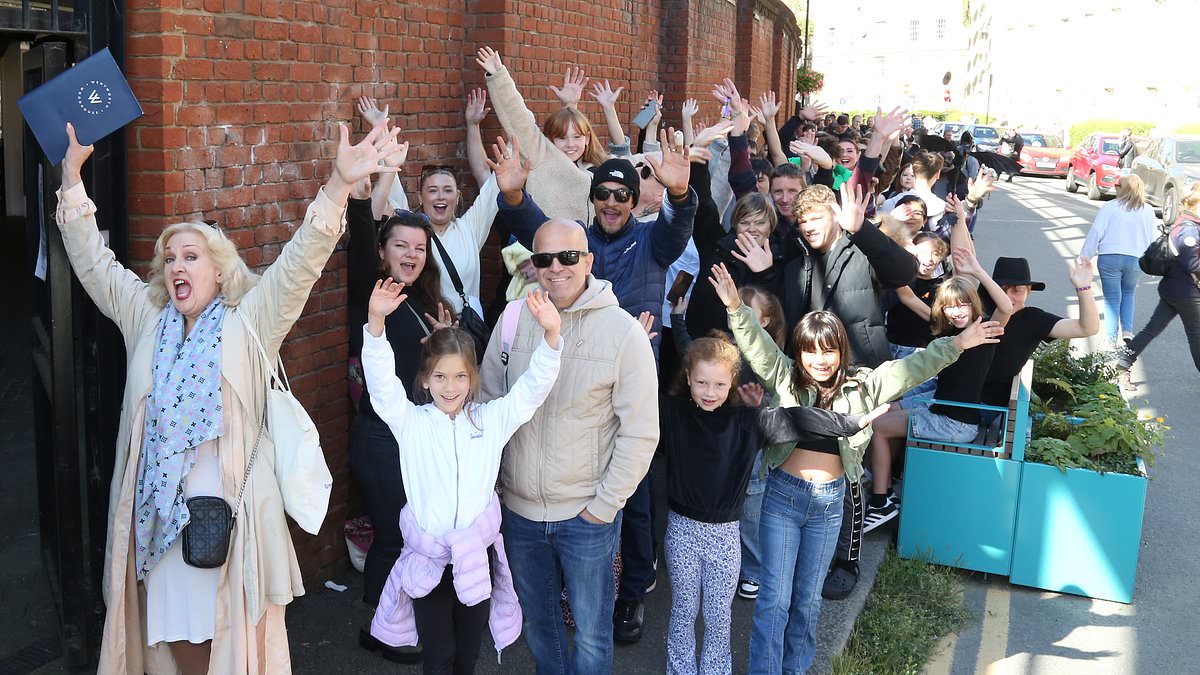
[276,377]
[450,269]
[419,319]
[508,333]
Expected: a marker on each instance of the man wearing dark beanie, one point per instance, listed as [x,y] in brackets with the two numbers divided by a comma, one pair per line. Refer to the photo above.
[634,257]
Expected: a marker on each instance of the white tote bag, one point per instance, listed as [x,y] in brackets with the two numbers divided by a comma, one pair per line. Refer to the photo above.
[300,468]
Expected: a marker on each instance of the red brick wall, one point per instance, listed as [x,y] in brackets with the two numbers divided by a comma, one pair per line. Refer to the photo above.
[243,97]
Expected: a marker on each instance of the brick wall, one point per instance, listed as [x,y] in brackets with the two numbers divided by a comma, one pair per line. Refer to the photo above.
[243,97]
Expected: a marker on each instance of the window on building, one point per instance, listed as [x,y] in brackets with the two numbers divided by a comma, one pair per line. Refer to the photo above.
[941,29]
[914,30]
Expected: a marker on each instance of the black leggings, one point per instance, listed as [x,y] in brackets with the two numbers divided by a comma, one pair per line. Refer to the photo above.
[375,464]
[450,632]
[1187,309]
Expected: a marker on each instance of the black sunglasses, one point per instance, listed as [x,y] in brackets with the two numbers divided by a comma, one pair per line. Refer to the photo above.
[622,195]
[567,258]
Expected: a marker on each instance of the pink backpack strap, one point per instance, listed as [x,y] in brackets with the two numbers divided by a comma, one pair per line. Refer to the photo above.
[508,327]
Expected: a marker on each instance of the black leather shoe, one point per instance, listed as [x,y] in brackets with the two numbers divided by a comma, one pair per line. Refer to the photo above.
[627,621]
[371,643]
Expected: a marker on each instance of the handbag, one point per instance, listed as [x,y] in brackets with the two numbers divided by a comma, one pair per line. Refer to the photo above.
[300,469]
[469,320]
[1159,256]
[206,535]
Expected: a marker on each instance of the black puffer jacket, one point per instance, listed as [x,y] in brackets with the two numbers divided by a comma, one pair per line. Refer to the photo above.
[857,269]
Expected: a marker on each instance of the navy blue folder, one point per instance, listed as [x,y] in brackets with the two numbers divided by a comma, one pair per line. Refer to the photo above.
[93,96]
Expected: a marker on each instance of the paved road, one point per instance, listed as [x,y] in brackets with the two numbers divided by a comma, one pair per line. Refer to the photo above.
[1030,632]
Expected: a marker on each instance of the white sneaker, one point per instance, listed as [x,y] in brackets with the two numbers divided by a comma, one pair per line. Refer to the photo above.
[747,589]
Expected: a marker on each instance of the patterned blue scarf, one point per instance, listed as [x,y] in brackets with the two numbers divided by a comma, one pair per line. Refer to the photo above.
[183,411]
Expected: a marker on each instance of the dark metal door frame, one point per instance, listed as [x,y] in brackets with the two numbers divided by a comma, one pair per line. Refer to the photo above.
[78,356]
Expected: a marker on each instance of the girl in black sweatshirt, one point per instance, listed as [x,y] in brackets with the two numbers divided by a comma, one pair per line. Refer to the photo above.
[710,454]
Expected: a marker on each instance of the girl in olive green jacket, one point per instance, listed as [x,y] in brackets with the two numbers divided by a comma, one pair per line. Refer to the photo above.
[802,510]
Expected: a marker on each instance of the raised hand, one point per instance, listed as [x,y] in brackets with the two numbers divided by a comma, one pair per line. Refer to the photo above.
[888,126]
[979,333]
[799,147]
[689,110]
[813,111]
[699,155]
[726,290]
[386,297]
[77,155]
[965,262]
[680,305]
[705,136]
[444,318]
[396,157]
[853,209]
[1081,272]
[767,105]
[756,257]
[477,106]
[488,59]
[809,137]
[355,162]
[955,204]
[543,310]
[604,94]
[674,168]
[752,394]
[981,186]
[726,92]
[646,319]
[371,114]
[757,114]
[572,88]
[510,168]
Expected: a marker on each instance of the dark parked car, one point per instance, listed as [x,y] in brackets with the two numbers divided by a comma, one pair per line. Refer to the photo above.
[1095,161]
[986,137]
[1169,167]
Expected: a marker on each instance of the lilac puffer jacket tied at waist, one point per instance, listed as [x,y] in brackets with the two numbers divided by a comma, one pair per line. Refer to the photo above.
[421,564]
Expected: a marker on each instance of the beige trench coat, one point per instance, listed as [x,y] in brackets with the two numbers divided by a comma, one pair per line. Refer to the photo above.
[261,575]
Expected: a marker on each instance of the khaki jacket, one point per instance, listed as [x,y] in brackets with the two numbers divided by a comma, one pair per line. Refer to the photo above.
[261,574]
[591,442]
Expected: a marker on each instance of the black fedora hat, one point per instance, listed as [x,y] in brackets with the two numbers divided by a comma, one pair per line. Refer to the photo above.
[1014,272]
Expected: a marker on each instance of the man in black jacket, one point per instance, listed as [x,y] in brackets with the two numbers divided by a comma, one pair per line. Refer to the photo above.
[1125,150]
[843,263]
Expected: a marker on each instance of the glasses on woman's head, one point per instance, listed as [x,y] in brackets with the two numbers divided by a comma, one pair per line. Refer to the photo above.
[566,258]
[405,213]
[622,195]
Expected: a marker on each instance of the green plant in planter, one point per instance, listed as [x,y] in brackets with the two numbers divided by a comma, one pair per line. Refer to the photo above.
[1084,422]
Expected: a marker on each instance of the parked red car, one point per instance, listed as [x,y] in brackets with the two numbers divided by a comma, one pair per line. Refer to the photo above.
[1043,154]
[1094,163]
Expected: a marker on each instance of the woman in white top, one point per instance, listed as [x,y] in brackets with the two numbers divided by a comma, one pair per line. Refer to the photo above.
[440,200]
[1123,229]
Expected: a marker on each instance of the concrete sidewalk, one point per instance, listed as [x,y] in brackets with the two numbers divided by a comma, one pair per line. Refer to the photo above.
[323,625]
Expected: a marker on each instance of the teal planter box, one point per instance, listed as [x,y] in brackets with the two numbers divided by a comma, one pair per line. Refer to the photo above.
[959,505]
[959,510]
[1078,531]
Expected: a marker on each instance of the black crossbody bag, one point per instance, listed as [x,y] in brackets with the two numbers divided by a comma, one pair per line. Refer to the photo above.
[206,536]
[468,320]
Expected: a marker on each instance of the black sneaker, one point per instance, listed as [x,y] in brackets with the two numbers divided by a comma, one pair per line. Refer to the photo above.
[627,621]
[878,515]
[371,643]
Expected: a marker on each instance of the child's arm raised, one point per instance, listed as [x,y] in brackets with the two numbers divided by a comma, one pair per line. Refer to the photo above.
[388,397]
[531,389]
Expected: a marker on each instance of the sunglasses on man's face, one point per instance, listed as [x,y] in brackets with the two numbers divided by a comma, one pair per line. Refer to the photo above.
[566,258]
[622,195]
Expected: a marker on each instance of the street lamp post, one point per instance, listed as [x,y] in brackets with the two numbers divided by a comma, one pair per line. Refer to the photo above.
[988,112]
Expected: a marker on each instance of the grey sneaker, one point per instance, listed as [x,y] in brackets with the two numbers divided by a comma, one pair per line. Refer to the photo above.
[1124,381]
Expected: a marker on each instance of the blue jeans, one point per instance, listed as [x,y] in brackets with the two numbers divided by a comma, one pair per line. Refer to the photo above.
[544,556]
[1119,276]
[749,524]
[799,533]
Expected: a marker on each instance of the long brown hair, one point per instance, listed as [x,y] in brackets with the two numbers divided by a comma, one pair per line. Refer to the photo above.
[957,290]
[450,341]
[427,289]
[557,124]
[815,332]
[772,311]
[716,348]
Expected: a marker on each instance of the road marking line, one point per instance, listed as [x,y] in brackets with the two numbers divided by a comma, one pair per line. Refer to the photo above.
[993,638]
